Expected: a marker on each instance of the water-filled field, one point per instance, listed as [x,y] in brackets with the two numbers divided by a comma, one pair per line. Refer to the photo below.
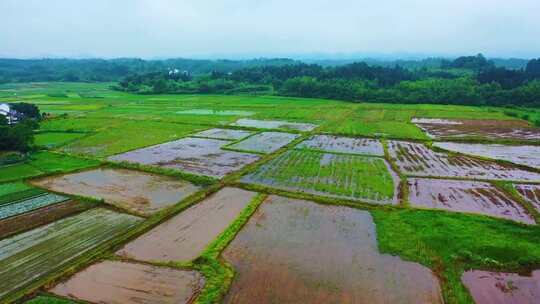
[227,134]
[121,282]
[521,155]
[531,193]
[136,191]
[484,129]
[274,124]
[488,287]
[30,204]
[194,155]
[295,251]
[265,142]
[49,248]
[466,196]
[416,159]
[337,175]
[336,144]
[186,235]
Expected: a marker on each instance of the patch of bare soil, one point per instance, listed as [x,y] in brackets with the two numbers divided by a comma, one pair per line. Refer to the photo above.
[504,288]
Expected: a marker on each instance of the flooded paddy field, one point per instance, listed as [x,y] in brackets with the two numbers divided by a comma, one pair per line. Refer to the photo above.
[38,217]
[26,205]
[265,142]
[185,236]
[194,155]
[37,252]
[502,288]
[330,143]
[136,191]
[216,112]
[531,193]
[489,129]
[521,155]
[336,175]
[418,160]
[227,134]
[294,251]
[274,124]
[121,282]
[465,196]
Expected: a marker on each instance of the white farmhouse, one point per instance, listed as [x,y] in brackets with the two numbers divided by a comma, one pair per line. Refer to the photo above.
[10,114]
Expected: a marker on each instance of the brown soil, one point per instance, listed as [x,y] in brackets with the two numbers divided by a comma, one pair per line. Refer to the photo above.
[502,288]
[185,236]
[119,282]
[42,216]
[531,193]
[294,251]
[330,143]
[490,129]
[466,196]
[133,190]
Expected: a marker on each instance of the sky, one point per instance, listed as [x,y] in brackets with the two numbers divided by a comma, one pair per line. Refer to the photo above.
[271,28]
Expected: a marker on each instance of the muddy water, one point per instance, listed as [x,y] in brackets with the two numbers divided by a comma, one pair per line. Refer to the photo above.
[490,129]
[274,124]
[465,196]
[531,193]
[120,282]
[294,251]
[133,190]
[418,160]
[329,143]
[522,155]
[185,236]
[227,134]
[265,142]
[502,288]
[195,155]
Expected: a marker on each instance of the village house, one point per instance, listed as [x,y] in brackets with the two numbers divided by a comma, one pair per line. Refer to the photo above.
[11,115]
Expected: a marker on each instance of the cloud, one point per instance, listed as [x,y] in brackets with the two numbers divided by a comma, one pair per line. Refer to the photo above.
[174,28]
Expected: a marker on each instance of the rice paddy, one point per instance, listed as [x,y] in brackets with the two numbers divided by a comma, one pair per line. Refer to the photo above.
[49,248]
[417,220]
[265,142]
[337,175]
[135,191]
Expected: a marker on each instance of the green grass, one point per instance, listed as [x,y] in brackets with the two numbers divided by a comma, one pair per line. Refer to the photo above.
[341,175]
[55,139]
[450,243]
[48,300]
[44,162]
[15,187]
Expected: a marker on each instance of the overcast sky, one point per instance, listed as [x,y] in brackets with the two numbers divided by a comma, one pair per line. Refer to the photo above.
[255,28]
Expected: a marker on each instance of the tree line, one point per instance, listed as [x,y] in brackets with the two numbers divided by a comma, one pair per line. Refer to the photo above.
[467,80]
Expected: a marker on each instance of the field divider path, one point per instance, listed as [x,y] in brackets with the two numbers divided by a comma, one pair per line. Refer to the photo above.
[403,187]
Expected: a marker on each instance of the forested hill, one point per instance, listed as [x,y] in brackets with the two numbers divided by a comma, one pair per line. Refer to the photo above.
[101,70]
[469,80]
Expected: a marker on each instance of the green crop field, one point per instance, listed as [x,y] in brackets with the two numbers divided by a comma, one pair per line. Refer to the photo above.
[89,122]
[348,176]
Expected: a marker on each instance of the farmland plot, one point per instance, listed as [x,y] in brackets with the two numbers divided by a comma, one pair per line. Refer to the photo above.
[265,142]
[185,236]
[294,251]
[36,253]
[498,287]
[11,192]
[521,155]
[465,196]
[274,124]
[338,175]
[41,216]
[121,282]
[133,190]
[418,160]
[30,204]
[227,134]
[216,112]
[489,129]
[330,143]
[531,193]
[194,155]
